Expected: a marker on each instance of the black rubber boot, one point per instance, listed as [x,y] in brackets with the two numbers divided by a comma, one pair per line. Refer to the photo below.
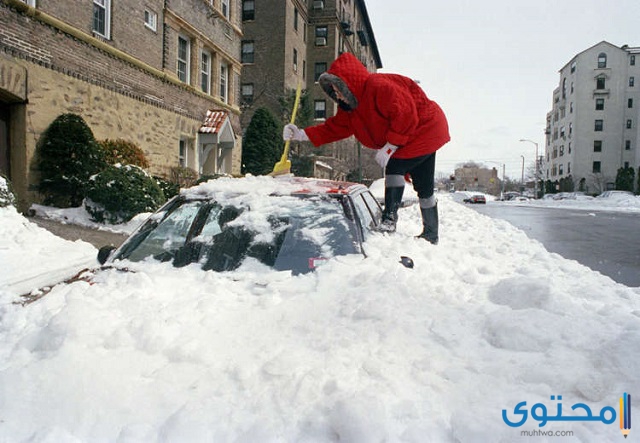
[392,201]
[430,224]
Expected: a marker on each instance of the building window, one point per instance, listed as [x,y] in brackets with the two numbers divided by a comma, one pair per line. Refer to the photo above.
[602,60]
[596,168]
[561,169]
[248,10]
[225,9]
[600,82]
[182,153]
[573,67]
[320,109]
[247,93]
[564,88]
[248,54]
[569,168]
[599,104]
[295,60]
[632,60]
[151,20]
[630,103]
[570,129]
[627,145]
[561,150]
[318,70]
[224,82]
[31,3]
[321,35]
[629,124]
[102,18]
[295,18]
[631,81]
[205,72]
[597,146]
[183,59]
[572,87]
[571,108]
[599,125]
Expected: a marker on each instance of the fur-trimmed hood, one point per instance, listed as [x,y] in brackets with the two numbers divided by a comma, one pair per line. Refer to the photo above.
[349,76]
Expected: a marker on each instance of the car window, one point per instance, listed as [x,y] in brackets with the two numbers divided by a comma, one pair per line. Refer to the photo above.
[285,232]
[168,235]
[368,211]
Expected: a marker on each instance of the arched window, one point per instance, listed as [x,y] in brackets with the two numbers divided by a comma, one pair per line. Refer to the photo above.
[602,60]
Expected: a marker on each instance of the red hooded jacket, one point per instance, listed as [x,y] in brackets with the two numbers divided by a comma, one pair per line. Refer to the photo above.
[388,108]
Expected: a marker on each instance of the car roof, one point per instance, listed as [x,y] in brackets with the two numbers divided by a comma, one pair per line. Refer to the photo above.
[266,186]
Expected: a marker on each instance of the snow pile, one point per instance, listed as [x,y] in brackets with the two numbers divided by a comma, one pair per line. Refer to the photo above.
[32,257]
[362,350]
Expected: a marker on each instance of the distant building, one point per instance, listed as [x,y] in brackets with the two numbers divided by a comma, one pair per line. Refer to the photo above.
[593,128]
[286,42]
[477,179]
[162,74]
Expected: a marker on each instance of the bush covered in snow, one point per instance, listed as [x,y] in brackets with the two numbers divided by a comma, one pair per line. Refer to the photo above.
[6,195]
[118,193]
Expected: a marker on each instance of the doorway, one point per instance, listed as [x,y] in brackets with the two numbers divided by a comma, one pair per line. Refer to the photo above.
[5,165]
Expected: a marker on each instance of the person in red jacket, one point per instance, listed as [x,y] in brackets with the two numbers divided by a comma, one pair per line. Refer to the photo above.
[392,114]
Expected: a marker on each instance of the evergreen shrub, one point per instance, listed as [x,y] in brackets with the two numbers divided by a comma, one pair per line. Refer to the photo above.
[6,195]
[68,155]
[118,193]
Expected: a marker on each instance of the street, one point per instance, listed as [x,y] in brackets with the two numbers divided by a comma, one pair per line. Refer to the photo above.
[607,242]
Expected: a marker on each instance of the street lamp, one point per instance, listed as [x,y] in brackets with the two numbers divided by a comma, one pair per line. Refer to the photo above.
[522,179]
[535,178]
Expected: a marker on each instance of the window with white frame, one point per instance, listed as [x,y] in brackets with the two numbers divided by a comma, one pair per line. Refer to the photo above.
[102,18]
[295,60]
[224,82]
[31,3]
[182,153]
[151,19]
[225,9]
[205,72]
[184,55]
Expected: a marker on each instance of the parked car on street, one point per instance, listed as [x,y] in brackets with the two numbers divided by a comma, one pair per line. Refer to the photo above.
[284,223]
[475,199]
[615,194]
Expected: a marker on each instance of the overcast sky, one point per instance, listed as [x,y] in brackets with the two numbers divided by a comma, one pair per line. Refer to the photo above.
[493,65]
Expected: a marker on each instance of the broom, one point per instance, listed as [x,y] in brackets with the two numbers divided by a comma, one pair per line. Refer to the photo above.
[284,165]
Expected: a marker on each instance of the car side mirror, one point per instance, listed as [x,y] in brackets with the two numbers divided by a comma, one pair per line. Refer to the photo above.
[104,253]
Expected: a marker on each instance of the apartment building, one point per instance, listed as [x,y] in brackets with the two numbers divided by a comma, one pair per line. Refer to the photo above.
[164,74]
[291,41]
[593,128]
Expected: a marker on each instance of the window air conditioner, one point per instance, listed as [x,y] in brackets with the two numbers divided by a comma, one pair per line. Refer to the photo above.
[321,41]
[318,4]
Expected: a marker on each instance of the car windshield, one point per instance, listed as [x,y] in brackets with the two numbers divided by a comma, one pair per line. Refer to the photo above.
[286,233]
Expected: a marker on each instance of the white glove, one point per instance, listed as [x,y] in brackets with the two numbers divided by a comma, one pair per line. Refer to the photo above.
[384,154]
[292,132]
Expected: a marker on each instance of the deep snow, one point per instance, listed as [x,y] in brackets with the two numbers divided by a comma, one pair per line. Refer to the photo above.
[362,350]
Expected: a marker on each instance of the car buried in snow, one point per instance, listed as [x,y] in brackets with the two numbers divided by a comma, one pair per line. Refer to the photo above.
[284,223]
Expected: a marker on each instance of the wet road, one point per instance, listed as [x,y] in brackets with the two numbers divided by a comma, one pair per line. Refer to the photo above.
[607,242]
[74,232]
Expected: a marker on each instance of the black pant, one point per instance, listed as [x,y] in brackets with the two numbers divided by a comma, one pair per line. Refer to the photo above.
[421,169]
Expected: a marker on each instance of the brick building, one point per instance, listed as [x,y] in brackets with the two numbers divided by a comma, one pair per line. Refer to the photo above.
[291,41]
[147,72]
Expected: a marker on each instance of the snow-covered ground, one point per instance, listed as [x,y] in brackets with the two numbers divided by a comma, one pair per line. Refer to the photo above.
[362,350]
